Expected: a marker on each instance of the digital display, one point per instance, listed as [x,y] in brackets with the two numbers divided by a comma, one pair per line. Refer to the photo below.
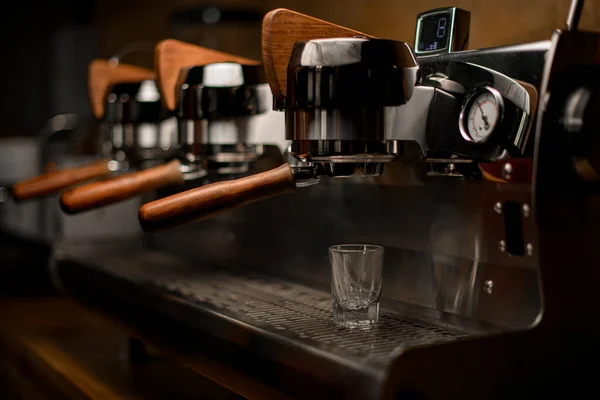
[434,32]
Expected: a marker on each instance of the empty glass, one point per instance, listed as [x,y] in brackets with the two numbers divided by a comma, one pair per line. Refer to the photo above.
[356,271]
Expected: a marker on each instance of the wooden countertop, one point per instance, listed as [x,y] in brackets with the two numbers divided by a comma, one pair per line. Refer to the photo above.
[54,348]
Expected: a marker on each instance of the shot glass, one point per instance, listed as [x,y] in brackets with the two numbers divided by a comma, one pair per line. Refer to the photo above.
[356,271]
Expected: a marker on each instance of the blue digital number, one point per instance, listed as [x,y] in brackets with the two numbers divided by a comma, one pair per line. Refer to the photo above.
[441,27]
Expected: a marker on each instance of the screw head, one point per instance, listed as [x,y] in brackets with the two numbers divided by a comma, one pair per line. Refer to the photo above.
[529,249]
[507,171]
[526,210]
[498,207]
[488,286]
[190,158]
[113,165]
[502,246]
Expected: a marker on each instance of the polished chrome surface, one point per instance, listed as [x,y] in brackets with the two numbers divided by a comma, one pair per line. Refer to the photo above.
[345,151]
[235,153]
[335,124]
[226,146]
[511,133]
[308,174]
[215,159]
[509,88]
[143,142]
[430,119]
[137,128]
[338,90]
[225,120]
[575,10]
[264,128]
[409,122]
[223,75]
[222,90]
[339,73]
[219,146]
[332,52]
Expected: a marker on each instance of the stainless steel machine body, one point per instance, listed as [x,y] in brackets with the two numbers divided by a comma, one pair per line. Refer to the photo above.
[139,130]
[226,121]
[136,132]
[489,277]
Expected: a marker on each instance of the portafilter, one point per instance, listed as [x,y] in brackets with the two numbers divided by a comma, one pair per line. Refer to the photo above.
[213,95]
[134,128]
[339,83]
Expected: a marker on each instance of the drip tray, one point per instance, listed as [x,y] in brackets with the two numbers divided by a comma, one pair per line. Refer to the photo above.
[244,319]
[297,311]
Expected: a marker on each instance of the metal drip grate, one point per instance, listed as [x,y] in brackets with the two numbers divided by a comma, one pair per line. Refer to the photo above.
[305,314]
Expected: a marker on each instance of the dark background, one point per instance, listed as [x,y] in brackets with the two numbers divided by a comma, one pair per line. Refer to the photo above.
[47,46]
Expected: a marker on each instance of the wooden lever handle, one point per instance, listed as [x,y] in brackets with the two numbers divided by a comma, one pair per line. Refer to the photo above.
[206,201]
[102,75]
[172,56]
[55,181]
[99,194]
[281,29]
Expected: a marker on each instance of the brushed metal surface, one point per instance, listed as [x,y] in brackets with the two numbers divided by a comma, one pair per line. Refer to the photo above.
[305,313]
[441,239]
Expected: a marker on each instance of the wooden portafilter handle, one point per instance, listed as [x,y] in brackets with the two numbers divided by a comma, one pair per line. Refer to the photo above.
[55,181]
[207,201]
[121,188]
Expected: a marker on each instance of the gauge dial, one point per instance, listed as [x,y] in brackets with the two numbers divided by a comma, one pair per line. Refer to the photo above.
[480,115]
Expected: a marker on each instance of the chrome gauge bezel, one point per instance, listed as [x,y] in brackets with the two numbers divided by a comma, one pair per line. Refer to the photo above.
[466,107]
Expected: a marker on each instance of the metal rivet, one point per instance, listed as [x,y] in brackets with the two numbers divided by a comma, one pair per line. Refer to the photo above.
[450,168]
[498,207]
[526,210]
[529,249]
[113,165]
[502,245]
[507,171]
[488,286]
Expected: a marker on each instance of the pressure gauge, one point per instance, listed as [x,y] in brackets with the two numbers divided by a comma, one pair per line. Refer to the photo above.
[480,115]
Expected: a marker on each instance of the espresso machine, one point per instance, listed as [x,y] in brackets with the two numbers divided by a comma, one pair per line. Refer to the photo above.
[475,169]
[102,75]
[224,116]
[134,131]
